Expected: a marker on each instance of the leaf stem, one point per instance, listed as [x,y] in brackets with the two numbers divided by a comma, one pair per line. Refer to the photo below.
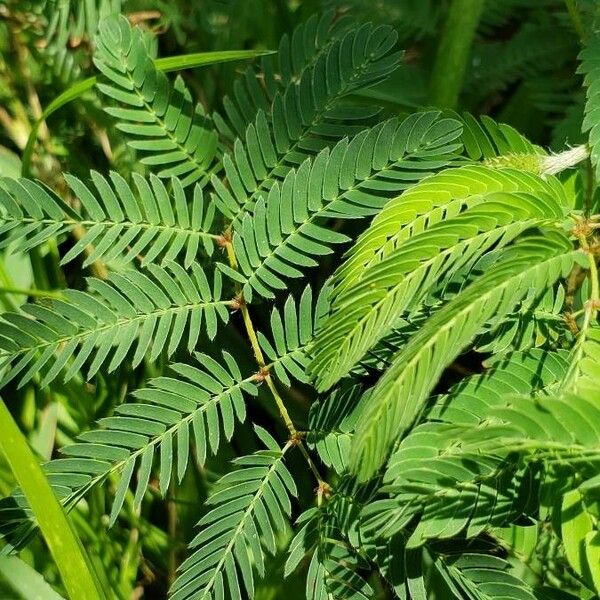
[453,52]
[592,305]
[260,359]
[590,311]
[258,355]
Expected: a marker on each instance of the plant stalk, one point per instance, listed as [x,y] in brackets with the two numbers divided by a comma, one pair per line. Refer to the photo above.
[453,52]
[260,359]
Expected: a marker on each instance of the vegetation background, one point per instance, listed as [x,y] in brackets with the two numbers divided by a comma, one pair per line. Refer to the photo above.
[516,61]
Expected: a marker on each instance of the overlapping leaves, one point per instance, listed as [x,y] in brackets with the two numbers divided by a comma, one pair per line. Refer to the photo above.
[454,489]
[174,134]
[197,405]
[305,117]
[353,180]
[250,505]
[416,243]
[398,397]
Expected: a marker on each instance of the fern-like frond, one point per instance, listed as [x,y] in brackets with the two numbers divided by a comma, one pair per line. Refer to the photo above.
[404,268]
[118,221]
[433,201]
[69,21]
[333,568]
[132,312]
[292,332]
[430,466]
[583,377]
[306,117]
[482,577]
[331,423]
[539,322]
[485,139]
[398,397]
[249,506]
[531,373]
[176,137]
[559,430]
[199,403]
[590,67]
[353,180]
[296,54]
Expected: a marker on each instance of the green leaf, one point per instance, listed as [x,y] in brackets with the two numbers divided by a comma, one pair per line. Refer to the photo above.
[171,63]
[249,505]
[122,222]
[398,397]
[592,553]
[575,525]
[288,232]
[131,313]
[416,244]
[590,67]
[312,112]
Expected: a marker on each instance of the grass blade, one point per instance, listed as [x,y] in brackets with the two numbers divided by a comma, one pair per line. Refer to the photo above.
[62,540]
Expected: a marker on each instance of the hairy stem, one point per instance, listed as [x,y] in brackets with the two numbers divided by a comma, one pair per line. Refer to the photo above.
[592,305]
[260,359]
[258,354]
[453,52]
[555,163]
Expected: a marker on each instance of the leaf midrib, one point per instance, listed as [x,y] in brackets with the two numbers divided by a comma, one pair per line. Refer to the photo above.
[121,322]
[127,224]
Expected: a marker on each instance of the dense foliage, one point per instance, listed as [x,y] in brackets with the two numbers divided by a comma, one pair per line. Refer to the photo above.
[322,325]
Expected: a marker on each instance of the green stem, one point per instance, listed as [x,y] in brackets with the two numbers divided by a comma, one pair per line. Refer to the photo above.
[590,312]
[62,540]
[258,354]
[453,52]
[260,359]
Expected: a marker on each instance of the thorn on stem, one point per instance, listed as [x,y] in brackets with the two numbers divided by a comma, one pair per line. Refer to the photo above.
[236,303]
[296,438]
[323,490]
[262,374]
